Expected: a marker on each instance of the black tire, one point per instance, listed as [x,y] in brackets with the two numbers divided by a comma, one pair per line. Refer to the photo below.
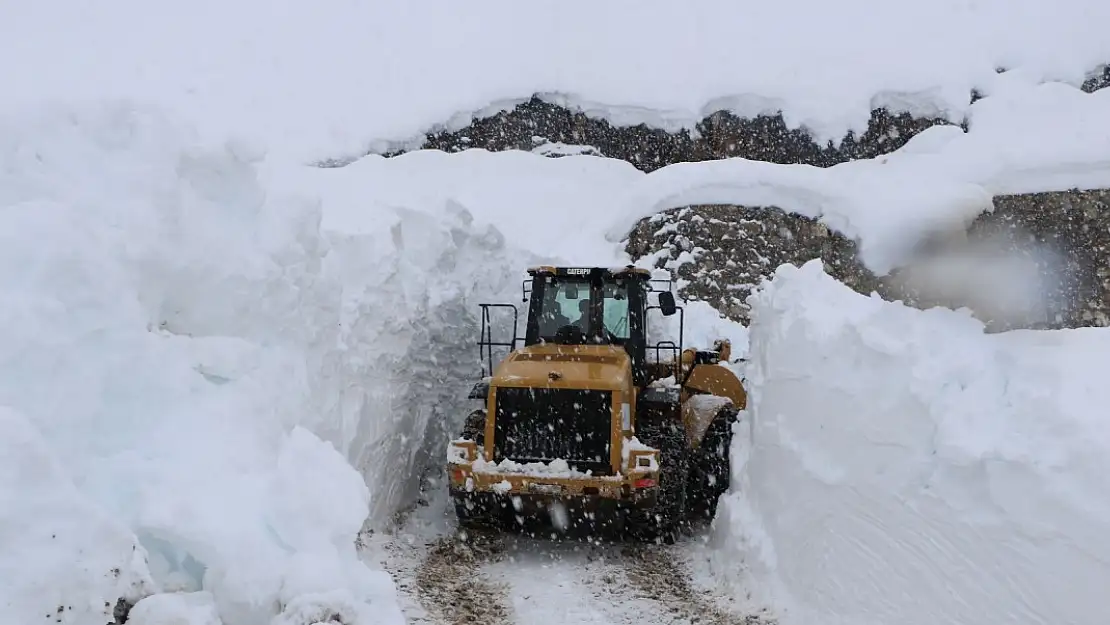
[474,428]
[666,520]
[476,519]
[466,518]
[469,516]
[712,471]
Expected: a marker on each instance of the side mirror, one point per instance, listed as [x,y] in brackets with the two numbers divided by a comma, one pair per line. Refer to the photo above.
[666,303]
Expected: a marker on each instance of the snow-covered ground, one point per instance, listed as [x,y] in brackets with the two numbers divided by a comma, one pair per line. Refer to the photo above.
[217,364]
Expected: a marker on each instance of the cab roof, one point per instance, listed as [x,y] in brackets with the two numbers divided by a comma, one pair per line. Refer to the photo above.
[621,272]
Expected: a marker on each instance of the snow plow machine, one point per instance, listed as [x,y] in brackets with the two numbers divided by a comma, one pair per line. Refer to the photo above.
[583,424]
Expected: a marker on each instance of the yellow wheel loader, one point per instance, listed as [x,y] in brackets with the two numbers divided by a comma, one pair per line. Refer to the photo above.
[584,423]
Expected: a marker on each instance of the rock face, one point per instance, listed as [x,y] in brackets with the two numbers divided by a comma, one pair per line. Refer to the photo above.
[1099,80]
[721,135]
[719,254]
[1076,226]
[1037,261]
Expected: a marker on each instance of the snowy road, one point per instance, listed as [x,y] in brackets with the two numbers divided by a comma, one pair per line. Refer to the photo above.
[513,579]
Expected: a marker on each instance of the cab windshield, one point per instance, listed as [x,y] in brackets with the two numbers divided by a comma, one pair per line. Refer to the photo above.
[566,310]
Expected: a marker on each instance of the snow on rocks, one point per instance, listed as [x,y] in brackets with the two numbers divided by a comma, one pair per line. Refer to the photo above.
[1024,139]
[745,245]
[260,76]
[901,465]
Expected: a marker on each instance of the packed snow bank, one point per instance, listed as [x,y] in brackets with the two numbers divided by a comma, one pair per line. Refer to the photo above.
[165,331]
[1021,139]
[184,608]
[410,323]
[418,242]
[47,527]
[327,78]
[902,466]
[233,336]
[554,208]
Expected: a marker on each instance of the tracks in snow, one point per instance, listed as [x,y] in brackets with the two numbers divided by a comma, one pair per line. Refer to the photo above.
[450,582]
[515,580]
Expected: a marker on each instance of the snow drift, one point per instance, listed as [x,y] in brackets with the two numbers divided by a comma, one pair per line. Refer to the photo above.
[162,327]
[902,466]
[47,526]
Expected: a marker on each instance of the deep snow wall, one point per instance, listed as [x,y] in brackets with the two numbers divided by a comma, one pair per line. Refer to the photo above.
[409,326]
[899,465]
[417,243]
[226,379]
[167,330]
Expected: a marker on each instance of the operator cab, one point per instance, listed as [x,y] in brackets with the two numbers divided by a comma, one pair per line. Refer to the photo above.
[592,306]
[581,310]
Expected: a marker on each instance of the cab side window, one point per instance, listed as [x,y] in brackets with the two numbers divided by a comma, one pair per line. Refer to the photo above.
[616,309]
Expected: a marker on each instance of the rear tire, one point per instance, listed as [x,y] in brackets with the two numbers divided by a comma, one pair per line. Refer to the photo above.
[665,521]
[470,516]
[474,428]
[712,472]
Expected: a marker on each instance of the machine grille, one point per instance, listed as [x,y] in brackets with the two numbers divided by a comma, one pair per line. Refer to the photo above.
[544,424]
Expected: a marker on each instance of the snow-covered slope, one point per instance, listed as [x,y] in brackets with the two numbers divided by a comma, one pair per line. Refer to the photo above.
[328,78]
[216,364]
[900,466]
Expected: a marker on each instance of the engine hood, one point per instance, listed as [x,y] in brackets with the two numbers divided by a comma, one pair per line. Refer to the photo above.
[595,367]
